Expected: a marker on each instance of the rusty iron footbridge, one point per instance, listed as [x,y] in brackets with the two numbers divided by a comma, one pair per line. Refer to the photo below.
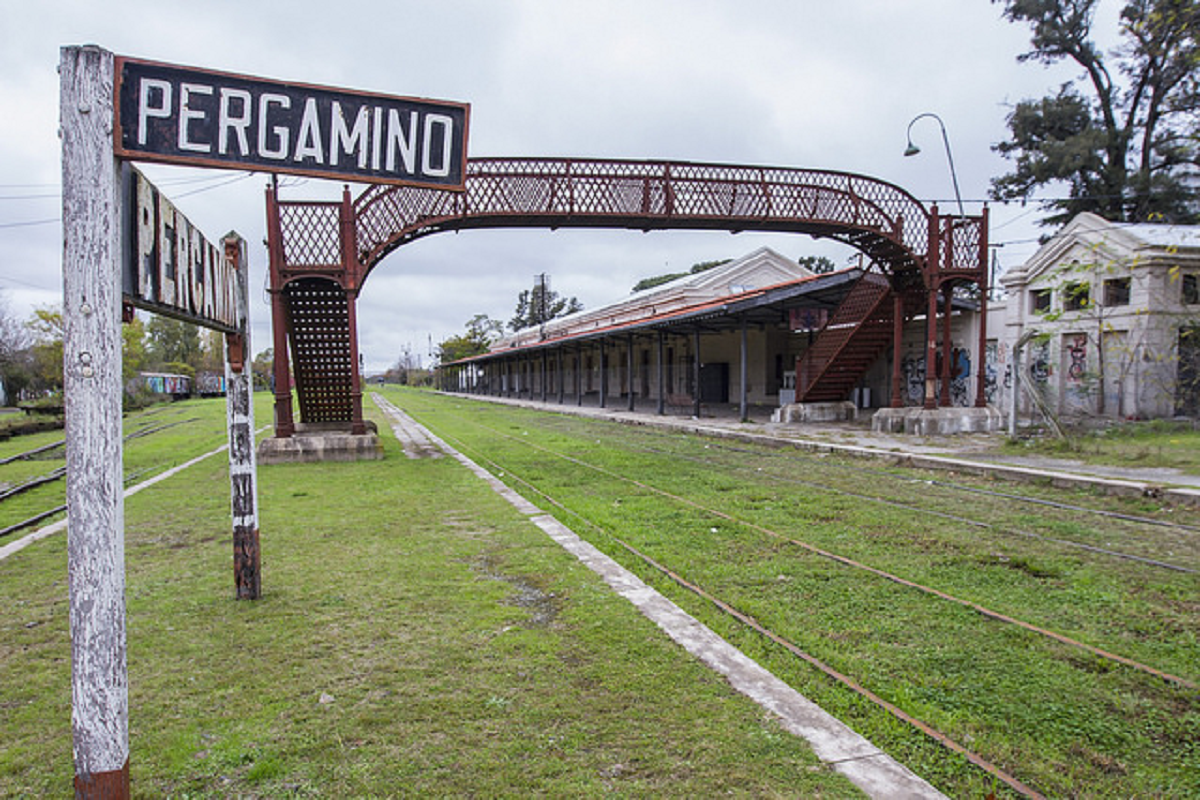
[322,252]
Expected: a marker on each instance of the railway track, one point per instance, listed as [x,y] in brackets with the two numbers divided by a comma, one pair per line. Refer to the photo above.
[59,473]
[603,481]
[925,501]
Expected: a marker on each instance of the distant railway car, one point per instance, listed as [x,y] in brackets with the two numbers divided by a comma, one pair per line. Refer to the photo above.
[177,386]
[210,384]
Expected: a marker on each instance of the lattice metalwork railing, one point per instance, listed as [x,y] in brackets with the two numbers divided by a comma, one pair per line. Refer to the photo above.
[964,244]
[882,219]
[320,341]
[311,239]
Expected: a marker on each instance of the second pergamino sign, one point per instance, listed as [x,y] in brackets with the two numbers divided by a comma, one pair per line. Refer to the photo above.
[191,116]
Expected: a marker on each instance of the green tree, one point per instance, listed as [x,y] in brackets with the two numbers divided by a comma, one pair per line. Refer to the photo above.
[821,265]
[540,305]
[174,341]
[262,368]
[659,280]
[1122,143]
[14,361]
[481,332]
[133,349]
[46,362]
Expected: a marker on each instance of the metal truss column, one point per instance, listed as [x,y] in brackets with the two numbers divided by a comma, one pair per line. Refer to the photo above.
[932,285]
[558,361]
[545,374]
[284,424]
[947,345]
[351,285]
[603,375]
[743,409]
[629,372]
[661,403]
[984,288]
[897,349]
[579,375]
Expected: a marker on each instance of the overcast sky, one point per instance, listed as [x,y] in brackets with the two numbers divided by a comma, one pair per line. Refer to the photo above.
[797,83]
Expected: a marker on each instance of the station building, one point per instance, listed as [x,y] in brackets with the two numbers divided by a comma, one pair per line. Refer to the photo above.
[1103,321]
[733,336]
[1107,316]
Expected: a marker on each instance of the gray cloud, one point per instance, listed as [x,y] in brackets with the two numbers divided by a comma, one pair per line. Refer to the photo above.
[828,85]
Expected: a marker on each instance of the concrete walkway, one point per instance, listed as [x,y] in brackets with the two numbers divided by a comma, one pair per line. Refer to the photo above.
[972,453]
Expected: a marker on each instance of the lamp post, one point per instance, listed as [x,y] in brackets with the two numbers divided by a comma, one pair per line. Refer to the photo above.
[912,150]
[935,285]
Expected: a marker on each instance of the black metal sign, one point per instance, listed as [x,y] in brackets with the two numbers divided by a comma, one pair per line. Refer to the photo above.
[190,116]
[170,268]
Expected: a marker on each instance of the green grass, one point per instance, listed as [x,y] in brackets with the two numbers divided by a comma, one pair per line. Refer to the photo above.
[1158,443]
[417,636]
[1059,718]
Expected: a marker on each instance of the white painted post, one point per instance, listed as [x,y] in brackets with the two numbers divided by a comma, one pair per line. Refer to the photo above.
[92,391]
[239,404]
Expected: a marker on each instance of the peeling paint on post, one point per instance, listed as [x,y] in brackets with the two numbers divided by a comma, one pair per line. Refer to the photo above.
[239,404]
[92,392]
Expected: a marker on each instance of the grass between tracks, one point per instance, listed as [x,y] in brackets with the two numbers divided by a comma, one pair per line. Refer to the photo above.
[1058,718]
[417,636]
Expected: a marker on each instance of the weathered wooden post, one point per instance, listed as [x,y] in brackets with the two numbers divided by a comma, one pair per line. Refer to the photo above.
[239,405]
[92,392]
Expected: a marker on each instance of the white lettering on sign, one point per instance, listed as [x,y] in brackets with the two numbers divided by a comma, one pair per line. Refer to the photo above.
[192,116]
[173,269]
[308,143]
[147,108]
[397,139]
[187,114]
[446,125]
[278,133]
[229,122]
[341,139]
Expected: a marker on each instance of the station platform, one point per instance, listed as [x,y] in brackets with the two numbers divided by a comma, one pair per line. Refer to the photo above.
[975,453]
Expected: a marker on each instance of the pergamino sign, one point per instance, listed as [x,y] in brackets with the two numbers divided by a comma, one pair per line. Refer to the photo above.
[183,115]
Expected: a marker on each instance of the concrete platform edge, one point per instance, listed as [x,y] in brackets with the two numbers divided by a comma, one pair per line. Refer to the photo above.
[1015,473]
[877,774]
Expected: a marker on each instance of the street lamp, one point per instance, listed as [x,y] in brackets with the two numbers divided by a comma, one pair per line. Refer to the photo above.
[912,150]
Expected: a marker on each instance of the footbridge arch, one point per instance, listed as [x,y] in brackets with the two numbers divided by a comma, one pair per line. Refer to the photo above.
[921,253]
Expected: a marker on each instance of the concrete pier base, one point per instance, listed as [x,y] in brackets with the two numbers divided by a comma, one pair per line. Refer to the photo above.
[321,442]
[937,421]
[815,412]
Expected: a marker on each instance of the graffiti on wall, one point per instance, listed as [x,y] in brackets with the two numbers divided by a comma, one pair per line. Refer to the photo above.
[914,379]
[1077,351]
[1039,362]
[960,372]
[991,366]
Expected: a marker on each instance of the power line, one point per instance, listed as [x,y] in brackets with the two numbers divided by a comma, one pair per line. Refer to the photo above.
[30,223]
[234,179]
[56,195]
[31,285]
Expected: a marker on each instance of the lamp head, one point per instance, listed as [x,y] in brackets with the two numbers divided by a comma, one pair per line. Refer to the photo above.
[912,149]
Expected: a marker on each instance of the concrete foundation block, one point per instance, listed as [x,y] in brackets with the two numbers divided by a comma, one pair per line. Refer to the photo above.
[322,441]
[815,412]
[937,421]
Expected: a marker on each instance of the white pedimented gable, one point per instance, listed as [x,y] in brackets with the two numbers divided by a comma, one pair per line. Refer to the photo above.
[1091,239]
[756,270]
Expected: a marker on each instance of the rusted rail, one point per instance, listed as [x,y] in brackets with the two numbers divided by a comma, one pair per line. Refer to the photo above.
[33,452]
